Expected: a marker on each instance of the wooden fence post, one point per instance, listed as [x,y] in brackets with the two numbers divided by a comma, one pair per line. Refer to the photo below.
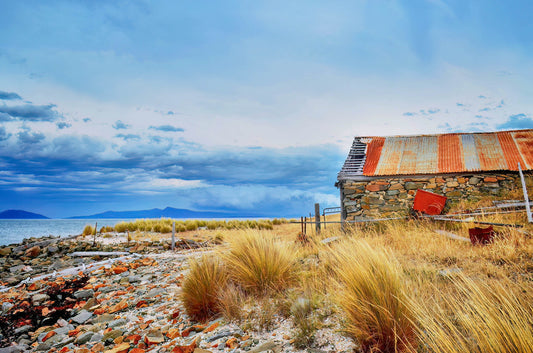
[317,218]
[95,231]
[173,235]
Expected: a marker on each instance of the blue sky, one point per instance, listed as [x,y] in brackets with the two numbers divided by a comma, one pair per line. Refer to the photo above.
[239,105]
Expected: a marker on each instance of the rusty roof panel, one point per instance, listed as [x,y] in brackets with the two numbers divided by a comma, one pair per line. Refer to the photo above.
[524,142]
[450,153]
[440,154]
[391,156]
[372,155]
[510,150]
[489,151]
[407,163]
[426,155]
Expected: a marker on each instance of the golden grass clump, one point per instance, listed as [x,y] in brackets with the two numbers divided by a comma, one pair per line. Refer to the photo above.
[88,230]
[482,317]
[207,278]
[259,264]
[372,297]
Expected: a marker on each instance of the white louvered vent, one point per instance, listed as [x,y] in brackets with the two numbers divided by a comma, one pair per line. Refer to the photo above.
[356,159]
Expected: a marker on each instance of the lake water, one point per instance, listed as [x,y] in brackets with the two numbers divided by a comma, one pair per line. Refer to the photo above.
[14,230]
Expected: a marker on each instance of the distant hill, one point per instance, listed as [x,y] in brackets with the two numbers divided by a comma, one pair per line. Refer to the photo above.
[20,214]
[168,212]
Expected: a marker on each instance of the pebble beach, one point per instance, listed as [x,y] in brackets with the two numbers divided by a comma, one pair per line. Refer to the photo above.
[111,295]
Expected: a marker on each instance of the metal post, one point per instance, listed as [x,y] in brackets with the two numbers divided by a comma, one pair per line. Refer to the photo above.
[317,218]
[302,224]
[173,235]
[526,197]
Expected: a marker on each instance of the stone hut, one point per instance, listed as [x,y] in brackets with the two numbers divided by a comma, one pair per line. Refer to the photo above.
[381,175]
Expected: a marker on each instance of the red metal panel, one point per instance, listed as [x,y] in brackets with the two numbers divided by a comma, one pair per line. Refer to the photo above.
[391,155]
[489,152]
[510,150]
[524,142]
[373,154]
[450,154]
[428,202]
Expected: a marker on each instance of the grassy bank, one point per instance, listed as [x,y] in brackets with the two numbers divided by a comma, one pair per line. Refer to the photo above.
[391,287]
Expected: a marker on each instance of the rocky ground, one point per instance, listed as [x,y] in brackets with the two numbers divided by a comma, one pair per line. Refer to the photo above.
[117,296]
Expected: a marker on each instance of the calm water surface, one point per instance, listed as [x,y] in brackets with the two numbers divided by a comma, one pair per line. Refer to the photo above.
[14,230]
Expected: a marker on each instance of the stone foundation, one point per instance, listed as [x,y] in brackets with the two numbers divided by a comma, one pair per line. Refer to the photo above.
[394,195]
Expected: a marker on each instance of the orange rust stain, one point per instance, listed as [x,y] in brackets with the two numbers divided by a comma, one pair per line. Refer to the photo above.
[391,156]
[524,142]
[489,151]
[510,150]
[372,155]
[450,154]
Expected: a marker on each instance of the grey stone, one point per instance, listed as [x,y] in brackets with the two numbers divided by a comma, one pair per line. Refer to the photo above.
[97,337]
[15,269]
[223,333]
[155,292]
[13,280]
[39,298]
[413,186]
[116,323]
[13,349]
[62,322]
[134,278]
[267,346]
[84,337]
[44,346]
[474,181]
[52,249]
[108,289]
[393,192]
[64,341]
[103,318]
[112,335]
[83,316]
[84,293]
[6,306]
[62,330]
[22,329]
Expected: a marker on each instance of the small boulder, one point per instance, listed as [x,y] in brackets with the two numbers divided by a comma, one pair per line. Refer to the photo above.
[33,251]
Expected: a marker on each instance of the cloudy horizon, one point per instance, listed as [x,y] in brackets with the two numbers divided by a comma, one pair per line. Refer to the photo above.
[242,106]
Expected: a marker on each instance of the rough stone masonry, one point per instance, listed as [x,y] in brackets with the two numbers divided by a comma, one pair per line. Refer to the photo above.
[386,196]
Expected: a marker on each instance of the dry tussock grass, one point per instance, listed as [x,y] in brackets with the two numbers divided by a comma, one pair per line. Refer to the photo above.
[481,317]
[201,288]
[260,264]
[372,297]
[398,285]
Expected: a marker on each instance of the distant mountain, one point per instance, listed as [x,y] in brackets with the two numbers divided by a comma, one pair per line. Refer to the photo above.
[20,214]
[168,212]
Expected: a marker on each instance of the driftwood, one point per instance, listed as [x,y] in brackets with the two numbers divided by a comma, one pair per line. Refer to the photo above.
[98,253]
[451,235]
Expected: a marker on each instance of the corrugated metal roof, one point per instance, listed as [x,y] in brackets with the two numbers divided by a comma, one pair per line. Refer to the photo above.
[440,154]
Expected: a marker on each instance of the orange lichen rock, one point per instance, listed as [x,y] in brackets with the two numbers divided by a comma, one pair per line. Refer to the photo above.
[123,304]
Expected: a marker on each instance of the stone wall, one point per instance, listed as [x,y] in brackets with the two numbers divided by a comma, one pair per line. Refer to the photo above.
[394,195]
